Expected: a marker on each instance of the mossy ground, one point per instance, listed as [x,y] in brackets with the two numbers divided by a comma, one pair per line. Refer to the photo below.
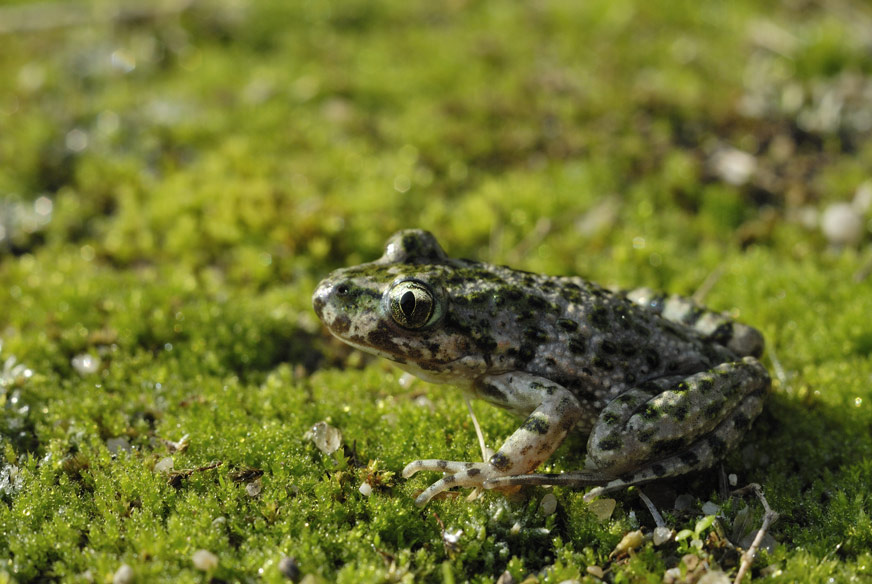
[176,179]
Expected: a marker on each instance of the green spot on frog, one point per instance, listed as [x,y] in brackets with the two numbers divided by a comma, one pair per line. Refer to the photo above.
[536,335]
[651,412]
[577,345]
[568,325]
[599,318]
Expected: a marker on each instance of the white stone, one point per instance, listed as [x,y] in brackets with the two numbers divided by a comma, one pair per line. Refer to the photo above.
[842,224]
[164,464]
[204,560]
[123,575]
[734,166]
[85,364]
[326,438]
[662,534]
[548,504]
[710,508]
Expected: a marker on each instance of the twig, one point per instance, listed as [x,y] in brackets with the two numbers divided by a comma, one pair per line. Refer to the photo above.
[708,284]
[780,375]
[769,517]
[485,451]
[533,238]
[658,519]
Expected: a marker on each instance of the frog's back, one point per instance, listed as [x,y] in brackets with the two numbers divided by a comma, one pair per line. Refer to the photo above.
[591,340]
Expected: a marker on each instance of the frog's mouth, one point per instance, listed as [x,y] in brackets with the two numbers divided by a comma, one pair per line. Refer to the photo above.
[461,371]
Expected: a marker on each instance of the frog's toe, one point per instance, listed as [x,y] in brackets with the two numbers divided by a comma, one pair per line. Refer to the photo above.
[442,484]
[461,474]
[436,465]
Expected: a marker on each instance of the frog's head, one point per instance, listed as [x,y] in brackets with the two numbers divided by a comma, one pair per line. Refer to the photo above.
[395,307]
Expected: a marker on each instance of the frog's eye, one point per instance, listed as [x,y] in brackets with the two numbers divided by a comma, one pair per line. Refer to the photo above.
[413,304]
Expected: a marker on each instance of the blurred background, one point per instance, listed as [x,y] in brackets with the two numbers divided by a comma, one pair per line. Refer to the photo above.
[269,137]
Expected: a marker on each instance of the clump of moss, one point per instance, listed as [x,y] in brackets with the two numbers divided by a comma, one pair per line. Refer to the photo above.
[177,180]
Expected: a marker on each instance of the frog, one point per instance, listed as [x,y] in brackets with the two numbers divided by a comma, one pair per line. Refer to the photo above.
[660,385]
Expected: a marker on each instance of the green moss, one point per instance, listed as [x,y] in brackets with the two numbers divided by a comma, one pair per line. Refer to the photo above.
[174,186]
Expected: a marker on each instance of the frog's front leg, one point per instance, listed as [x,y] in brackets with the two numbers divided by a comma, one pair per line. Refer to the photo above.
[665,427]
[553,413]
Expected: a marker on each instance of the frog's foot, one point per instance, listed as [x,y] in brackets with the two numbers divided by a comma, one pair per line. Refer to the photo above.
[459,474]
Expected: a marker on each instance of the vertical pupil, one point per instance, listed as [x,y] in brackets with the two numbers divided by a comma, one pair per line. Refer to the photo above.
[407,303]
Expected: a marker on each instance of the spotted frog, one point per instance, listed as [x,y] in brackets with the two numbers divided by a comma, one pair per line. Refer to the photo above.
[662,386]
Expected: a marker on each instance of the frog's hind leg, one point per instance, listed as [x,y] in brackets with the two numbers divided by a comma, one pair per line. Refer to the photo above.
[665,428]
[714,326]
[698,456]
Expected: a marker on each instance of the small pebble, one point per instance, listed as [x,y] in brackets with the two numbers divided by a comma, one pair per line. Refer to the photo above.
[204,560]
[595,571]
[123,575]
[506,578]
[327,439]
[691,561]
[863,197]
[732,479]
[548,504]
[714,577]
[289,568]
[365,489]
[662,534]
[842,224]
[253,489]
[734,166]
[116,444]
[602,508]
[422,401]
[164,464]
[710,508]
[85,364]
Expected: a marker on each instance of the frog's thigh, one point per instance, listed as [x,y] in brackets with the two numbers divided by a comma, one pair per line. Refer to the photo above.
[701,454]
[633,431]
